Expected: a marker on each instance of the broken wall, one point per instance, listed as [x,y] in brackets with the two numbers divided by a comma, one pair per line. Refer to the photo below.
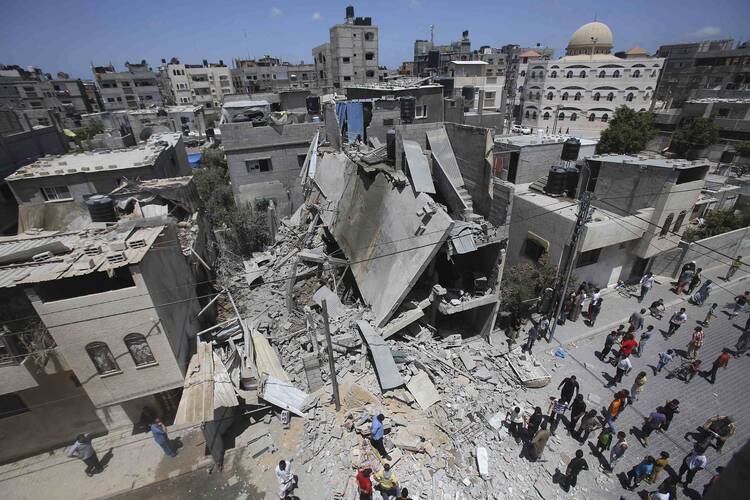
[376,225]
[469,146]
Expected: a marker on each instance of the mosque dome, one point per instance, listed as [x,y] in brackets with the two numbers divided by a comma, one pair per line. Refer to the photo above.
[594,36]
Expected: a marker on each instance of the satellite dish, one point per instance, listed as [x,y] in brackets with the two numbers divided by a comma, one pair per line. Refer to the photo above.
[145,134]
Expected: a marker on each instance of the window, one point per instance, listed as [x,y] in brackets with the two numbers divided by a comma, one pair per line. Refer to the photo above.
[102,357]
[11,404]
[257,166]
[588,258]
[369,36]
[573,117]
[602,74]
[421,111]
[646,96]
[523,73]
[605,117]
[577,97]
[553,74]
[55,193]
[565,96]
[629,97]
[545,116]
[527,113]
[301,159]
[561,116]
[679,221]
[597,96]
[610,96]
[533,75]
[533,250]
[369,73]
[723,112]
[636,74]
[667,224]
[550,96]
[35,104]
[569,74]
[592,117]
[616,74]
[345,60]
[110,99]
[139,349]
[369,56]
[582,74]
[347,78]
[533,115]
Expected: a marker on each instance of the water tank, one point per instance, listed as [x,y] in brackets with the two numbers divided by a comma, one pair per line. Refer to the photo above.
[468,92]
[390,146]
[570,150]
[313,104]
[349,12]
[727,157]
[447,83]
[408,108]
[571,180]
[101,208]
[433,59]
[556,181]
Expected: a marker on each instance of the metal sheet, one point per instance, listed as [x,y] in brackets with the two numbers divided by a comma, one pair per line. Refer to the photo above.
[282,394]
[333,303]
[419,169]
[388,373]
[462,237]
[442,150]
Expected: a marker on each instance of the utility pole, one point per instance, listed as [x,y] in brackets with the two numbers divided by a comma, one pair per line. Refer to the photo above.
[583,213]
[331,364]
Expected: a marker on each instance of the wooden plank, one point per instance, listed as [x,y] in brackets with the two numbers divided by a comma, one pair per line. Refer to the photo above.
[386,368]
[266,359]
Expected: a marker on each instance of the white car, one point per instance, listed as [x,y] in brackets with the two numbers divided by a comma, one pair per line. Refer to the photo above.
[518,129]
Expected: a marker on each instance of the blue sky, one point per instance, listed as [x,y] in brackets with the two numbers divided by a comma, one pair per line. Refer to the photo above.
[71,34]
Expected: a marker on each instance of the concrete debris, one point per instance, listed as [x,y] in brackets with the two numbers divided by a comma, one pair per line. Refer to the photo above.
[423,390]
[483,464]
[388,373]
[333,303]
[531,373]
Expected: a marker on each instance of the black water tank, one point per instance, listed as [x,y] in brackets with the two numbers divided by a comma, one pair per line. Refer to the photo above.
[101,208]
[408,108]
[571,181]
[468,92]
[390,146]
[447,83]
[556,181]
[570,150]
[433,59]
[313,104]
[727,157]
[368,21]
[349,11]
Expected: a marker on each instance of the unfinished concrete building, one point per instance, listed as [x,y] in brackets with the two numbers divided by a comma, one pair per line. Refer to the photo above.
[420,225]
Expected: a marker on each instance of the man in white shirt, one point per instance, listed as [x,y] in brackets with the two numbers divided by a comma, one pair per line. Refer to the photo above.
[676,321]
[286,478]
[647,281]
[692,463]
[623,367]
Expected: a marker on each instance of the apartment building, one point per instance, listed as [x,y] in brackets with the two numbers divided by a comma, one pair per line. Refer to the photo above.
[203,84]
[269,74]
[350,57]
[135,88]
[29,94]
[74,98]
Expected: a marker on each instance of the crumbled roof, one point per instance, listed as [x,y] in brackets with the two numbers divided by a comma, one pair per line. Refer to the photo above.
[73,254]
[721,100]
[652,160]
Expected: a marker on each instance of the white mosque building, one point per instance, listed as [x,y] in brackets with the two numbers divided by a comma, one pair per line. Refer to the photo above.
[580,92]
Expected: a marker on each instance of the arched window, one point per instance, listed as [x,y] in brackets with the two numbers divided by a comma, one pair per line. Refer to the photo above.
[577,97]
[139,349]
[629,97]
[545,116]
[646,96]
[679,221]
[102,358]
[573,117]
[597,96]
[569,74]
[616,74]
[605,117]
[533,115]
[582,74]
[523,73]
[653,73]
[637,73]
[553,74]
[531,95]
[527,113]
[520,89]
[565,96]
[538,95]
[533,75]
[610,96]
[561,116]
[592,117]
[666,226]
[550,95]
[602,74]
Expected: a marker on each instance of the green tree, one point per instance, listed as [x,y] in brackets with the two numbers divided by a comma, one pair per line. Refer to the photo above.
[718,222]
[524,282]
[628,132]
[699,134]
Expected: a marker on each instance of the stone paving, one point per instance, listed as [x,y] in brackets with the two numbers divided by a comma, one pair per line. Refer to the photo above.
[698,401]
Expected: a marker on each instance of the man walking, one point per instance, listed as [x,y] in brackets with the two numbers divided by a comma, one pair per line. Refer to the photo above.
[647,281]
[670,409]
[558,408]
[84,450]
[733,267]
[645,337]
[721,362]
[692,463]
[684,280]
[740,301]
[376,436]
[609,341]
[618,450]
[695,343]
[159,431]
[710,314]
[569,386]
[636,320]
[595,308]
[654,422]
[533,335]
[640,471]
[743,343]
[676,321]
[664,359]
[386,482]
[575,466]
[722,428]
[623,367]
[538,442]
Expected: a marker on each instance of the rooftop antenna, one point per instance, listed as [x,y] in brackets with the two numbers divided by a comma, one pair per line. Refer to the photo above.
[432,36]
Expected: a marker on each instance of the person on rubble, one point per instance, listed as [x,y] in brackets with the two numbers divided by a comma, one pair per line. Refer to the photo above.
[575,466]
[376,436]
[535,420]
[539,442]
[569,388]
[533,335]
[287,481]
[386,482]
[364,484]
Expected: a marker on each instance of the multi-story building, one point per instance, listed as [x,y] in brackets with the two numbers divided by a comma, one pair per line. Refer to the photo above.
[431,58]
[580,92]
[710,69]
[351,55]
[197,84]
[31,97]
[135,88]
[271,74]
[74,99]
